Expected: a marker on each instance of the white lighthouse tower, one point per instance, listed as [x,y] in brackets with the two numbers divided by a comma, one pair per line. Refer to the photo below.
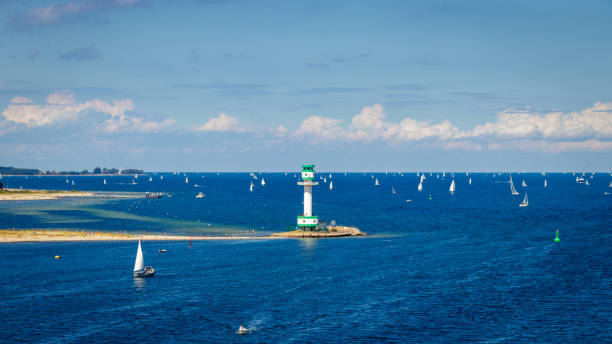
[307,220]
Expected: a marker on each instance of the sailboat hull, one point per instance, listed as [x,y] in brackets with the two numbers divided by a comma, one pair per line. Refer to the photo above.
[148,271]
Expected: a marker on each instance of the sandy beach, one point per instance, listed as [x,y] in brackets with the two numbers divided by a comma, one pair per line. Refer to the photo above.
[7,236]
[36,195]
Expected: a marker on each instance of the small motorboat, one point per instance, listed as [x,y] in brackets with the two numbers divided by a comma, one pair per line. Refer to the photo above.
[242,330]
[163,250]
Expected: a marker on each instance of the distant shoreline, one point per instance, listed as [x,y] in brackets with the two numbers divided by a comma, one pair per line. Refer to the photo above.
[38,195]
[15,236]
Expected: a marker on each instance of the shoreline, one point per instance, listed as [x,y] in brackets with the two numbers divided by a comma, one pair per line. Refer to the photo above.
[39,195]
[16,236]
[43,235]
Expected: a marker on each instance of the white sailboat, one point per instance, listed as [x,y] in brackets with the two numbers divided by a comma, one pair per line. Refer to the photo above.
[73,182]
[523,184]
[587,182]
[422,177]
[161,177]
[420,187]
[393,190]
[470,181]
[200,195]
[104,181]
[525,201]
[376,183]
[545,183]
[610,185]
[324,179]
[263,182]
[452,187]
[150,179]
[251,187]
[512,189]
[331,185]
[140,270]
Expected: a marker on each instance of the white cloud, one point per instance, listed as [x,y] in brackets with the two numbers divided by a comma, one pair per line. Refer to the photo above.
[589,129]
[370,124]
[280,131]
[591,123]
[223,122]
[62,106]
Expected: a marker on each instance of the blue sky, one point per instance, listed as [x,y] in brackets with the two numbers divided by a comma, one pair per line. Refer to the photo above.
[266,85]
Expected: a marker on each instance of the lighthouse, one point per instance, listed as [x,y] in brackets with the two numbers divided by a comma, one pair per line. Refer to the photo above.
[307,220]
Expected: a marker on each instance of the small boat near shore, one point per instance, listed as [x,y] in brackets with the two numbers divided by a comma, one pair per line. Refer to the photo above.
[200,195]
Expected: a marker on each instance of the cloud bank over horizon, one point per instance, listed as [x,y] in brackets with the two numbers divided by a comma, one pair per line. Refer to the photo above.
[589,129]
[62,106]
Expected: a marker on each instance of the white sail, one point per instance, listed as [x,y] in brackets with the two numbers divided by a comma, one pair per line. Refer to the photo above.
[324,179]
[545,183]
[104,181]
[161,177]
[470,181]
[393,190]
[610,185]
[452,187]
[512,189]
[263,182]
[525,201]
[587,182]
[376,182]
[150,179]
[523,183]
[422,177]
[186,180]
[331,185]
[443,174]
[139,263]
[330,176]
[251,187]
[73,182]
[420,187]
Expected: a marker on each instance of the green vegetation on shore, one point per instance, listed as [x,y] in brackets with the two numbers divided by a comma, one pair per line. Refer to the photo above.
[36,172]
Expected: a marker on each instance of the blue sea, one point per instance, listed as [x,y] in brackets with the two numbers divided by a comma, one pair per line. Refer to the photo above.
[440,268]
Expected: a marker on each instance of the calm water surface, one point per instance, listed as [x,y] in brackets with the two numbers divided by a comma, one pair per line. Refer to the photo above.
[472,267]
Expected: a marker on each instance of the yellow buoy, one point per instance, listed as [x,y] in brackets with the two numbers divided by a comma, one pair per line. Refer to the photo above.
[57,257]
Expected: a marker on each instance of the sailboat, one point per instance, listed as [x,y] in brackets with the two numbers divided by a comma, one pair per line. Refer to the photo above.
[150,179]
[393,190]
[140,270]
[324,180]
[73,182]
[420,187]
[470,181]
[186,180]
[523,184]
[610,185]
[422,177]
[376,183]
[331,185]
[104,181]
[251,187]
[545,183]
[525,201]
[452,187]
[512,189]
[587,182]
[330,176]
[263,182]
[200,195]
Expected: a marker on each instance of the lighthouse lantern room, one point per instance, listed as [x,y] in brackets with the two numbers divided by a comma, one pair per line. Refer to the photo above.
[307,220]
